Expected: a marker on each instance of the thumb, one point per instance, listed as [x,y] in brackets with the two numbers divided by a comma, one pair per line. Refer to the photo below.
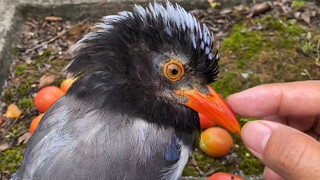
[287,151]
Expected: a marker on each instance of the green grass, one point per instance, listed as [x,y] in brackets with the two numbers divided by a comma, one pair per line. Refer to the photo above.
[11,159]
[298,3]
[20,69]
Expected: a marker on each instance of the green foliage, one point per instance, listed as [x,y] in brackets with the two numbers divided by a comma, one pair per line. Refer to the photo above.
[205,163]
[26,103]
[298,3]
[23,89]
[246,42]
[243,42]
[309,47]
[11,159]
[9,95]
[44,56]
[228,84]
[20,69]
[189,171]
[250,164]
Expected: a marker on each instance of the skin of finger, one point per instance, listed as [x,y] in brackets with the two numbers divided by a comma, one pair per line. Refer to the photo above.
[301,123]
[292,154]
[300,98]
[317,125]
[270,175]
[312,134]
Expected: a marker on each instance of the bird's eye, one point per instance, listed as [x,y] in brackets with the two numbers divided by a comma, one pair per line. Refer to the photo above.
[173,70]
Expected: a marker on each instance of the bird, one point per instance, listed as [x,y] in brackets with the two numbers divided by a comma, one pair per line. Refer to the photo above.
[142,78]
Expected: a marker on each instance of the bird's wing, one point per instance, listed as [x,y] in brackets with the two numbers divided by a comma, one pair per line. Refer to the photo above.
[76,142]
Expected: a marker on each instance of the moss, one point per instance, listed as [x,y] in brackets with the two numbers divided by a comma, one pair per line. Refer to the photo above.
[309,47]
[250,164]
[44,56]
[15,131]
[15,51]
[189,171]
[206,163]
[226,85]
[23,89]
[8,97]
[268,54]
[47,53]
[20,69]
[244,42]
[39,60]
[26,103]
[11,159]
[298,3]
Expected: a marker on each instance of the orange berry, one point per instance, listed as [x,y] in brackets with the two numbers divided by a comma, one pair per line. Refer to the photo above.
[65,85]
[35,123]
[46,97]
[216,142]
[224,176]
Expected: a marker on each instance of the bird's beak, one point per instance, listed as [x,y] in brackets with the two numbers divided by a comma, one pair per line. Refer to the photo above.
[212,106]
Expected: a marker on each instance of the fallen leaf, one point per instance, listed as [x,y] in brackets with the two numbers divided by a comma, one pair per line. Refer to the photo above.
[306,17]
[24,138]
[194,162]
[4,146]
[240,8]
[53,18]
[297,15]
[226,11]
[13,111]
[46,80]
[16,81]
[245,75]
[259,9]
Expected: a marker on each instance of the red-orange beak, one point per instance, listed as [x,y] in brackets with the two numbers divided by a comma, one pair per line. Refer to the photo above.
[213,107]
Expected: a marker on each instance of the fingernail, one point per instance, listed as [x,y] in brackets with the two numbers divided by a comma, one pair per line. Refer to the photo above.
[256,135]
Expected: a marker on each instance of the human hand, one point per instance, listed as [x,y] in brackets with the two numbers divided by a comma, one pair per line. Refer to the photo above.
[286,151]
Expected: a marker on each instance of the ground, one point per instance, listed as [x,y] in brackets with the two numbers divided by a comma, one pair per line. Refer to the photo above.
[257,48]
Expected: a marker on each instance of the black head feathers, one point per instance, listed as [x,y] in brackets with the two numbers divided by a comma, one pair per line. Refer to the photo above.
[155,29]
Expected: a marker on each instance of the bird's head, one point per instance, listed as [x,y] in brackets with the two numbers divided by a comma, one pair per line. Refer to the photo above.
[155,62]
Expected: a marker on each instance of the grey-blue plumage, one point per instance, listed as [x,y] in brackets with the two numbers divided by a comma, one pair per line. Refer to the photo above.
[122,118]
[81,142]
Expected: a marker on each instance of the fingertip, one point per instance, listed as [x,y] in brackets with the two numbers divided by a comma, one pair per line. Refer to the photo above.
[255,135]
[268,174]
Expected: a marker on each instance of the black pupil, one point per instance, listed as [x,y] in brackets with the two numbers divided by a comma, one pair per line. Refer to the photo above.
[174,71]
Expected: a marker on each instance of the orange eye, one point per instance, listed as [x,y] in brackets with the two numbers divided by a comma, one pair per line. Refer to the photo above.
[173,70]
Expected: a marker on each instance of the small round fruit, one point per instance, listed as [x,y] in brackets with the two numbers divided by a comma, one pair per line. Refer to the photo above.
[224,176]
[35,123]
[46,97]
[65,85]
[205,123]
[215,142]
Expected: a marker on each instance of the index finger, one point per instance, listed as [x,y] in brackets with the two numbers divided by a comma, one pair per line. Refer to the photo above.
[300,98]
